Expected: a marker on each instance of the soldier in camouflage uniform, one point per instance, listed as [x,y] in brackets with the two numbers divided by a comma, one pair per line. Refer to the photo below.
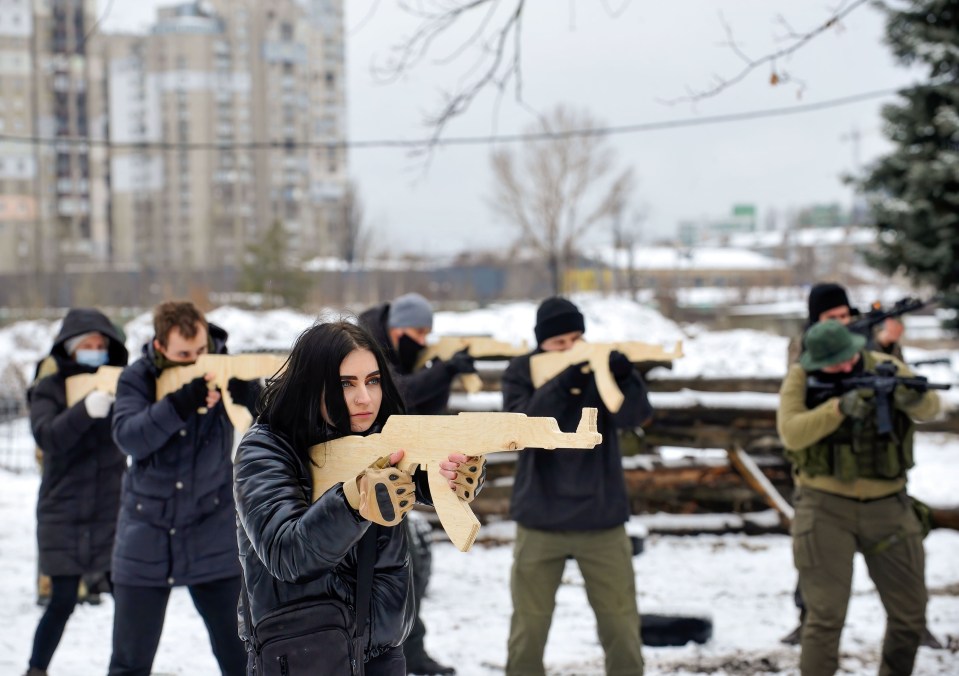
[851,496]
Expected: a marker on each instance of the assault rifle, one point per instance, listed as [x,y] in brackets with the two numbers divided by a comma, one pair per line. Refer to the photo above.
[877,315]
[428,440]
[883,382]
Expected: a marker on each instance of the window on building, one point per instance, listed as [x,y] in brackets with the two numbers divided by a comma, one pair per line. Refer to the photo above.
[63,164]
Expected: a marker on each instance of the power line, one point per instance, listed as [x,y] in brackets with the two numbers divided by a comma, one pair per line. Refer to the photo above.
[463,140]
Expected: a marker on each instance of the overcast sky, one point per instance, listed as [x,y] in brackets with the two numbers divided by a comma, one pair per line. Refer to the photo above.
[621,69]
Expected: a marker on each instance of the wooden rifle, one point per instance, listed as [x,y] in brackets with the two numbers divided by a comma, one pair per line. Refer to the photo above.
[478,347]
[428,440]
[545,366]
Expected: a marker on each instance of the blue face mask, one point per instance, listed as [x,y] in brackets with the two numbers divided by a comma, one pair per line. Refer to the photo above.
[94,358]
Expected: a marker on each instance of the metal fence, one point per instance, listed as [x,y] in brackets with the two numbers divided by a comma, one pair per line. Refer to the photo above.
[17,449]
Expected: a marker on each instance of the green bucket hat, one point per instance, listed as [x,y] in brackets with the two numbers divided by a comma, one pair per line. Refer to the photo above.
[828,343]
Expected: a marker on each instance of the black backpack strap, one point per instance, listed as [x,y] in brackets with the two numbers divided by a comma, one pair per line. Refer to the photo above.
[365,556]
[247,618]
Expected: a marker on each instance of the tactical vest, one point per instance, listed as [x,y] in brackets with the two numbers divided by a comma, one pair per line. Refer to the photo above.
[856,450]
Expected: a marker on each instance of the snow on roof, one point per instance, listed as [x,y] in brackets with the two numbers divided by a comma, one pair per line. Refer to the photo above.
[805,237]
[696,258]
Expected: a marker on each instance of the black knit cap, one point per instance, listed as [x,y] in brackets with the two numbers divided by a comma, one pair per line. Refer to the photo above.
[556,316]
[826,296]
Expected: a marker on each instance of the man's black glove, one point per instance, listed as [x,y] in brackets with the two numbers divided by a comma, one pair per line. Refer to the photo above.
[619,365]
[575,377]
[189,398]
[245,392]
[460,362]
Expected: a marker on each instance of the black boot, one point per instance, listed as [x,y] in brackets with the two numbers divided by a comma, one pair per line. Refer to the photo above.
[929,640]
[33,671]
[424,665]
[793,637]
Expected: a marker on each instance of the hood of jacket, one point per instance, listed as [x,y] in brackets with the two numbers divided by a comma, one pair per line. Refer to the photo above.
[84,320]
[374,321]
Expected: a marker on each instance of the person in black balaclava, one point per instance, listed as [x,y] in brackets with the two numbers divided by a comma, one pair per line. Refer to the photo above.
[401,329]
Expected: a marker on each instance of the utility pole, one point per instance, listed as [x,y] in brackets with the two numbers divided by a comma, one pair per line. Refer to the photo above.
[854,136]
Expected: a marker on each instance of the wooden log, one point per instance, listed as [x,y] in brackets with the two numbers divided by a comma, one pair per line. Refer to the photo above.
[685,486]
[945,518]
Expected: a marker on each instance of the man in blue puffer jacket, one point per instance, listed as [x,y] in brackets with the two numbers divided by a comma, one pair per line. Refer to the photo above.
[177,523]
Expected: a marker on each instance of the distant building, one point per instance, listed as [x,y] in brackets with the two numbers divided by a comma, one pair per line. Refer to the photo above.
[742,218]
[816,254]
[53,195]
[247,100]
[662,269]
[179,147]
[822,216]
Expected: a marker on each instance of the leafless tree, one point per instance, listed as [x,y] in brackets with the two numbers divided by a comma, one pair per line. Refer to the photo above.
[354,234]
[626,234]
[557,188]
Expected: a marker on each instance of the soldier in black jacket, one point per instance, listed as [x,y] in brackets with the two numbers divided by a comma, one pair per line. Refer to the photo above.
[300,558]
[177,521]
[572,503]
[401,328]
[82,467]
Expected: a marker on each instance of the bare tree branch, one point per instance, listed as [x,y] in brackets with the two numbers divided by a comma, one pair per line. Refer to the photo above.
[777,75]
[497,63]
[564,189]
[370,13]
[615,13]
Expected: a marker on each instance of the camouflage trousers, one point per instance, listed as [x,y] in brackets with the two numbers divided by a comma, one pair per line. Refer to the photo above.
[827,532]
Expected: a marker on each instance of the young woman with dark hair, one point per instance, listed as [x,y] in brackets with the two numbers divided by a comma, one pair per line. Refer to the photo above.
[328,589]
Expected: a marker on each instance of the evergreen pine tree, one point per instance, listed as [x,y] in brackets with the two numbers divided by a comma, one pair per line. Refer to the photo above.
[914,190]
[269,271]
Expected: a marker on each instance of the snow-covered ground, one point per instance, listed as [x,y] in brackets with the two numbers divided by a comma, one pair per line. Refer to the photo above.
[743,583]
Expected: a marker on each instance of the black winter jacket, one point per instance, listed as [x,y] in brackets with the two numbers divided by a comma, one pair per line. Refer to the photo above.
[425,391]
[293,549]
[571,489]
[177,521]
[82,467]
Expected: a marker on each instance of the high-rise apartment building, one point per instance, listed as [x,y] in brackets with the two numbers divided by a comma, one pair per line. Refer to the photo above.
[175,149]
[226,117]
[53,187]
